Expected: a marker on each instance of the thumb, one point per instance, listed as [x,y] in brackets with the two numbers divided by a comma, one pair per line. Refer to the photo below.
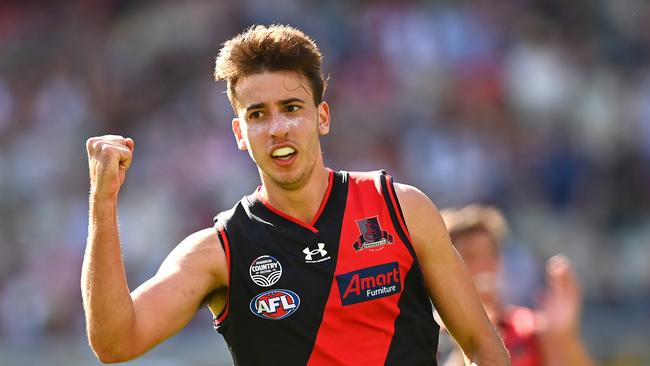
[125,156]
[130,144]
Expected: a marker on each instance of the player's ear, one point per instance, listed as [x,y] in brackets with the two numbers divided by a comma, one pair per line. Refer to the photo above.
[323,118]
[236,130]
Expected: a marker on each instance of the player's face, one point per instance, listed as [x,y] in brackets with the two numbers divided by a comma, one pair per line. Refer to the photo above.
[482,259]
[279,124]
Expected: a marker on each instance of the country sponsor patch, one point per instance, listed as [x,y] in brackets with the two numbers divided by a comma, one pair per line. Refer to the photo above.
[275,304]
[265,271]
[372,236]
[369,283]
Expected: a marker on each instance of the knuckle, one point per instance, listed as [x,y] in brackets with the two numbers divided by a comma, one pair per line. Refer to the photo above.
[90,143]
[107,148]
[97,145]
[116,139]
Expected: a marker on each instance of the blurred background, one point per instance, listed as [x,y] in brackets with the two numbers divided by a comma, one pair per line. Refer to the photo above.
[539,107]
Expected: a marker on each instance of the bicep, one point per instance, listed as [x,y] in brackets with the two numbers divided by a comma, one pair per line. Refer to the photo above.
[446,278]
[167,302]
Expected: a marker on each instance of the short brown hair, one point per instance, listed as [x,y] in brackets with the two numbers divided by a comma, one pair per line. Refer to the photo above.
[270,48]
[472,218]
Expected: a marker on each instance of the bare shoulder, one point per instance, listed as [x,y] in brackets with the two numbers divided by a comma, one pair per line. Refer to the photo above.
[422,218]
[417,208]
[200,251]
[412,198]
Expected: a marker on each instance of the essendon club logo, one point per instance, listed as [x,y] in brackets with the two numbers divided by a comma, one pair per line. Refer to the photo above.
[372,236]
[369,283]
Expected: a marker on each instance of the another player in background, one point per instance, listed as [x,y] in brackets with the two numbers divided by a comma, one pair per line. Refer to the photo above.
[546,336]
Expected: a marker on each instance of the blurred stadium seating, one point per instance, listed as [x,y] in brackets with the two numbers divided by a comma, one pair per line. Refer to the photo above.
[539,107]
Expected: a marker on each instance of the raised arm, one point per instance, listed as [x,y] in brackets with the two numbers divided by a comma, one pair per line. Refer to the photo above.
[560,316]
[123,325]
[448,281]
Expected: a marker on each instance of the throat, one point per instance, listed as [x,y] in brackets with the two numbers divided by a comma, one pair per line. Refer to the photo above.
[303,204]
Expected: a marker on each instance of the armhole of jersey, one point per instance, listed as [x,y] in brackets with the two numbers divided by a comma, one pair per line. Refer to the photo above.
[390,197]
[225,244]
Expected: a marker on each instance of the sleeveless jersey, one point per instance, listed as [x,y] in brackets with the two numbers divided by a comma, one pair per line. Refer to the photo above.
[345,289]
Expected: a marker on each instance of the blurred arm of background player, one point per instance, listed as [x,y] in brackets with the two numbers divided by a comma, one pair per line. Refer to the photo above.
[123,325]
[557,323]
[448,282]
[559,318]
[546,336]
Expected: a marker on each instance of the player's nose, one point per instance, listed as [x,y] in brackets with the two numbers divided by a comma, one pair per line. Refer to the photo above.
[279,125]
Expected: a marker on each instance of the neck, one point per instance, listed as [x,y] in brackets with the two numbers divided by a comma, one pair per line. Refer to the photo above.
[302,203]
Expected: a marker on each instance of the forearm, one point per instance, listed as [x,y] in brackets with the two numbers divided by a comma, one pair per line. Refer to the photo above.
[490,351]
[494,356]
[497,357]
[108,305]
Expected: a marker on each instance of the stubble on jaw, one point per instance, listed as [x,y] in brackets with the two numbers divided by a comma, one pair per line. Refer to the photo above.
[298,183]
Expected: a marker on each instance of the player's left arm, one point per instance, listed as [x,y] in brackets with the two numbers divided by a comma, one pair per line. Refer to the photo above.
[448,282]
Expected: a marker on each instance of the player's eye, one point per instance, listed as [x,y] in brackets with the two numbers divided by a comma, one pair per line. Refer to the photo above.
[292,108]
[255,115]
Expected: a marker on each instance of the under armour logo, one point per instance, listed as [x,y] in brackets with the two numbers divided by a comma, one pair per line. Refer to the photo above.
[320,251]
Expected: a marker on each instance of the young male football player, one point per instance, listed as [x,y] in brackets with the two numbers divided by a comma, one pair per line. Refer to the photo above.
[315,267]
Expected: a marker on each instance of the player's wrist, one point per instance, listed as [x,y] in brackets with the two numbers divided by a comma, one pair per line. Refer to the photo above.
[103,192]
[101,199]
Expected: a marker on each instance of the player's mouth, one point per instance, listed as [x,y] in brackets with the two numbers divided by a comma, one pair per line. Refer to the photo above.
[284,155]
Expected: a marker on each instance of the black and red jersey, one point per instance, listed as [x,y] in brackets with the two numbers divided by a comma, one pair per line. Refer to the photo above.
[345,289]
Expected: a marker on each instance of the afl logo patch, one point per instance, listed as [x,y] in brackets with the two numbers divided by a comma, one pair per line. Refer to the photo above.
[275,304]
[265,271]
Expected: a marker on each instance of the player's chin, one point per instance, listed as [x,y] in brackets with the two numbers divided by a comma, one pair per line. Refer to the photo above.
[289,179]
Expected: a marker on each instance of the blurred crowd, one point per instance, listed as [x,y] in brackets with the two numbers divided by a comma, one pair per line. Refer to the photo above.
[541,108]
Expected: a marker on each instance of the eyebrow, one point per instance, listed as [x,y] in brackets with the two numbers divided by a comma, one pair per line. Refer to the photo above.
[291,100]
[255,106]
[282,102]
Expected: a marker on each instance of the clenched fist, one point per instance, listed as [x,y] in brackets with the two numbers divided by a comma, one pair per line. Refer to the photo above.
[109,157]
